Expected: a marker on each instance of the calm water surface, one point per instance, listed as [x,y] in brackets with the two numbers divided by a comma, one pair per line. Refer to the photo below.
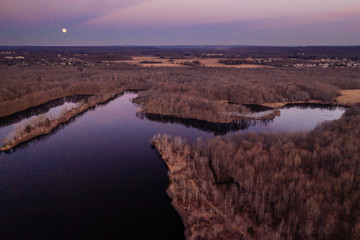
[49,110]
[97,177]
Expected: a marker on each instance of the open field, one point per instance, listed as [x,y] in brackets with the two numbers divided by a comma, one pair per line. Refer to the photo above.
[349,97]
[161,62]
[205,62]
[214,62]
[282,104]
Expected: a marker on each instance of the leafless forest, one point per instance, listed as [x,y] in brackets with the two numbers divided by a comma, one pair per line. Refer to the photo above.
[284,186]
[247,186]
[182,92]
[195,92]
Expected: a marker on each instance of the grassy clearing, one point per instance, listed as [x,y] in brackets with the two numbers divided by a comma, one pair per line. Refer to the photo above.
[349,97]
[282,104]
[206,62]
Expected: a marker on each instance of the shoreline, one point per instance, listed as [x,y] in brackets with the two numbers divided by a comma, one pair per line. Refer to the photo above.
[25,108]
[232,119]
[39,109]
[202,218]
[44,128]
[280,105]
[223,188]
[341,101]
[274,107]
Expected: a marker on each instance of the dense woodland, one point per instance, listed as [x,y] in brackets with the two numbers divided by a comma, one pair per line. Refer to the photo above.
[284,186]
[189,107]
[196,87]
[26,87]
[182,92]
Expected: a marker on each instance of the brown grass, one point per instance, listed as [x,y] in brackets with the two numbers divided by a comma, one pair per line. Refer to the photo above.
[349,97]
[282,104]
[206,62]
[164,62]
[214,62]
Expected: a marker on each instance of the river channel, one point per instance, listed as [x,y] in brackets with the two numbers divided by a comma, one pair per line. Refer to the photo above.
[98,177]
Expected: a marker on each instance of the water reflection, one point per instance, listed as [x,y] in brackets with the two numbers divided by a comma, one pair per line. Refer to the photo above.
[293,118]
[10,125]
[41,109]
[303,117]
[314,106]
[257,107]
[75,99]
[210,127]
[44,137]
[97,175]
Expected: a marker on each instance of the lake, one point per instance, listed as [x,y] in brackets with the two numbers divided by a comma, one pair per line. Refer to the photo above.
[98,177]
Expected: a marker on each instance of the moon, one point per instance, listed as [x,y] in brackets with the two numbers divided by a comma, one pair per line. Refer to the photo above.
[64,30]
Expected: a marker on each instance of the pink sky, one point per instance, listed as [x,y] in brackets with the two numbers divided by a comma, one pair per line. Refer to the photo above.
[180,12]
[95,15]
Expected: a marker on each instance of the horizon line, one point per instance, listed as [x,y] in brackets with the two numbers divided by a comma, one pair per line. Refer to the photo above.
[180,45]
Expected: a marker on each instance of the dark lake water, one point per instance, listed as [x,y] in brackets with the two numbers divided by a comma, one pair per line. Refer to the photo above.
[97,177]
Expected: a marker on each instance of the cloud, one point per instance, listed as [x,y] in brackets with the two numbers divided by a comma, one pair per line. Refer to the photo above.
[95,22]
[161,12]
[40,11]
[350,17]
[189,12]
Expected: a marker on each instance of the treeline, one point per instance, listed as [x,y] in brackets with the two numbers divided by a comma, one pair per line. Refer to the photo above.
[195,63]
[42,126]
[284,186]
[305,52]
[21,88]
[256,86]
[231,61]
[24,88]
[189,107]
[181,51]
[150,62]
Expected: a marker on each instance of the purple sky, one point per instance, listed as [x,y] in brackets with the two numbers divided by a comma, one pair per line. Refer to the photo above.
[180,22]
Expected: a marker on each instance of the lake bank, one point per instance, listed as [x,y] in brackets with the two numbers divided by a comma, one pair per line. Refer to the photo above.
[257,117]
[104,156]
[45,126]
[92,176]
[202,217]
[263,186]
